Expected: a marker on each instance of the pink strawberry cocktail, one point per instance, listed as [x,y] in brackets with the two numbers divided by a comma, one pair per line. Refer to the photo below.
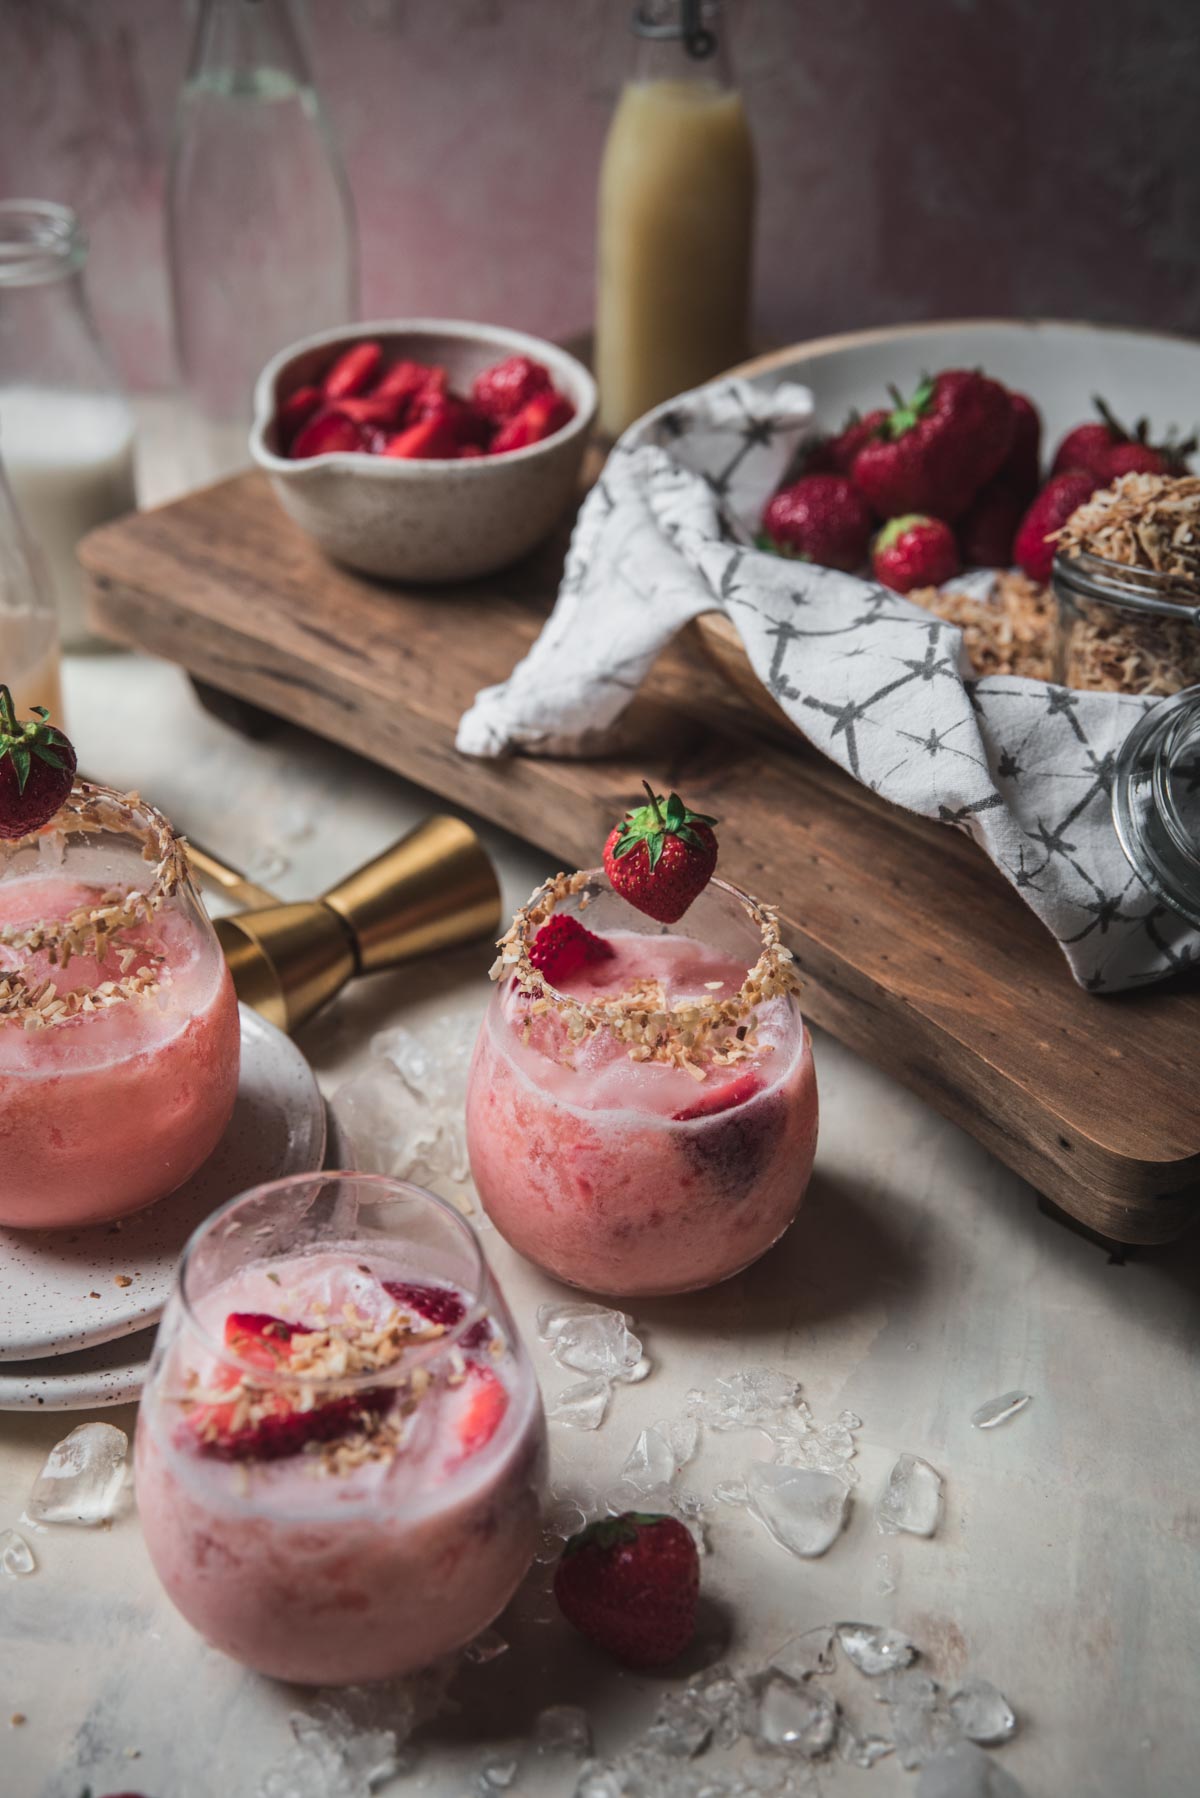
[646,1125]
[341,1445]
[119,1033]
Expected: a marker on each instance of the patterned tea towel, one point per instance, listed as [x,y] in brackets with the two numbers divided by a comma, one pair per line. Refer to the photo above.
[879,684]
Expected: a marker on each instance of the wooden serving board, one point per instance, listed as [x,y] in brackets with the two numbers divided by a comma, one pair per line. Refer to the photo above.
[914,951]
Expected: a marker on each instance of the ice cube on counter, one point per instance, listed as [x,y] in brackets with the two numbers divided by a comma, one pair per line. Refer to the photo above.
[803,1508]
[912,1500]
[982,1711]
[999,1410]
[82,1478]
[875,1649]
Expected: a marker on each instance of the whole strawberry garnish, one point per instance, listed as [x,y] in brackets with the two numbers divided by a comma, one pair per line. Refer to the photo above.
[562,947]
[820,518]
[661,856]
[500,391]
[914,552]
[988,526]
[939,448]
[1033,549]
[1091,447]
[630,1584]
[37,767]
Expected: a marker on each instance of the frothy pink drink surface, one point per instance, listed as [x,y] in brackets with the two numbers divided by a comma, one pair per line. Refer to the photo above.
[633,1177]
[331,1545]
[106,1111]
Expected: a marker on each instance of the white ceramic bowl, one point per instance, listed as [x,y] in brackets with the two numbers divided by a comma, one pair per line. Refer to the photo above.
[426,520]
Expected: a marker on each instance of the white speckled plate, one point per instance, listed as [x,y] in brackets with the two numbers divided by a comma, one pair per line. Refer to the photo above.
[109,1374]
[58,1288]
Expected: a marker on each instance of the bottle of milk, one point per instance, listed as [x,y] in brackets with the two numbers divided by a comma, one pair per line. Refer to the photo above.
[676,216]
[66,430]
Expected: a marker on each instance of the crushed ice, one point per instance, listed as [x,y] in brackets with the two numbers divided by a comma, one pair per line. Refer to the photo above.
[912,1499]
[16,1556]
[404,1114]
[999,1410]
[82,1479]
[598,1342]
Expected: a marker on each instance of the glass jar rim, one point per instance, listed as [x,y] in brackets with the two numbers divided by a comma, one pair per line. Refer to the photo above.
[40,241]
[660,1032]
[91,809]
[418,1355]
[1085,575]
[1142,793]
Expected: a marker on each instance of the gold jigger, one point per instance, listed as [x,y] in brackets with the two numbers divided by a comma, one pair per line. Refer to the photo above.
[434,889]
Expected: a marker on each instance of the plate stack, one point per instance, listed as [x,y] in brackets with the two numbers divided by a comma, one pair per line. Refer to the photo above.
[79,1308]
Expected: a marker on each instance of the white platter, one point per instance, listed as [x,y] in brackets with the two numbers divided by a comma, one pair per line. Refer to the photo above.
[58,1288]
[1060,366]
[112,1373]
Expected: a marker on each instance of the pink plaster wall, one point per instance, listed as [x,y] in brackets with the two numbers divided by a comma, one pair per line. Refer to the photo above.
[919,157]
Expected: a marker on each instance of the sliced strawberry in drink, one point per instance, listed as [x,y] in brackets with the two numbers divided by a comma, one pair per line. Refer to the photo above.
[261,1339]
[284,1430]
[295,411]
[483,1413]
[722,1098]
[436,1304]
[354,370]
[563,946]
[325,434]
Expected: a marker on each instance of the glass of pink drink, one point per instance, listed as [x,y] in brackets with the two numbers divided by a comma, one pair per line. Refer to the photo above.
[119,1034]
[648,1125]
[341,1447]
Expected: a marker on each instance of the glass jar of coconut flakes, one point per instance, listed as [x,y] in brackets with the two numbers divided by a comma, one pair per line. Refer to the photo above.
[1127,580]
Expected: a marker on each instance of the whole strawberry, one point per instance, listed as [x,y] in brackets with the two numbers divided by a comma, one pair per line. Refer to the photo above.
[661,856]
[914,552]
[819,518]
[631,1584]
[1063,493]
[854,435]
[937,449]
[37,766]
[988,526]
[1021,468]
[1106,449]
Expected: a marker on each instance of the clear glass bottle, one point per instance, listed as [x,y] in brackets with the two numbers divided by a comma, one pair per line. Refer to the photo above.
[1156,801]
[66,428]
[676,216]
[261,245]
[29,661]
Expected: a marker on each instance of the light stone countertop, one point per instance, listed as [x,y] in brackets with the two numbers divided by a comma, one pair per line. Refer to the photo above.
[919,1281]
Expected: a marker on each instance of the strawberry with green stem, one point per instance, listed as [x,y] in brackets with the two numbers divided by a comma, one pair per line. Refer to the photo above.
[631,1584]
[37,767]
[661,856]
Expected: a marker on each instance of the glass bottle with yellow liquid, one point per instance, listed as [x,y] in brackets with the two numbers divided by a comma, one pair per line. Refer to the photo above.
[676,216]
[29,651]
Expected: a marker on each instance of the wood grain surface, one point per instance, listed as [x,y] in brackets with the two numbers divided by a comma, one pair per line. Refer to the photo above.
[913,949]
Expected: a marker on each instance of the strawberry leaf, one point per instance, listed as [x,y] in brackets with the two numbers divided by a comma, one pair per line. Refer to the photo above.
[20,761]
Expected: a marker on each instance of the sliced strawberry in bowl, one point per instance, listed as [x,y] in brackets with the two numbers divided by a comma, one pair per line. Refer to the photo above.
[563,947]
[430,439]
[502,390]
[327,433]
[538,419]
[295,411]
[354,370]
[485,1403]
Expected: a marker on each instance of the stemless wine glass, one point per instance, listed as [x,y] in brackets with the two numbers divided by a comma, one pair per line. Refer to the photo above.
[649,1126]
[341,1445]
[119,1033]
